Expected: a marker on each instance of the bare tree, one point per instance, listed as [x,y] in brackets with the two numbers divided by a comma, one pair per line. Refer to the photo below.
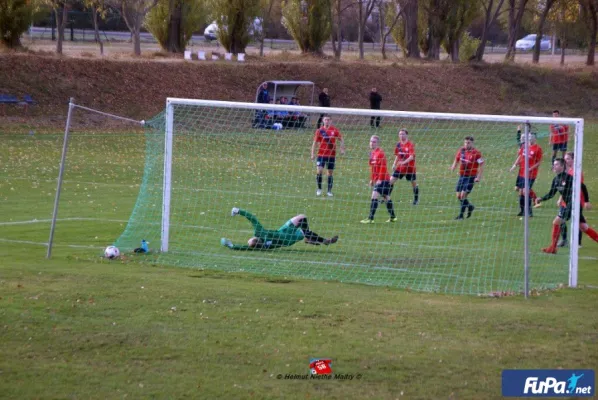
[492,9]
[590,13]
[134,12]
[60,9]
[516,10]
[540,30]
[264,18]
[365,8]
[98,10]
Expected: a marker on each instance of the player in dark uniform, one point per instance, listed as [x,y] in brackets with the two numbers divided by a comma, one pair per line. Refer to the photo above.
[293,231]
[563,183]
[380,180]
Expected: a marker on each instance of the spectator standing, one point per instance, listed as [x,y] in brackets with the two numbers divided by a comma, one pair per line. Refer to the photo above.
[324,100]
[375,100]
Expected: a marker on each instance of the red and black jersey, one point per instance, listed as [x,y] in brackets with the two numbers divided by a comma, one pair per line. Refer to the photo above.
[327,139]
[469,161]
[378,165]
[403,151]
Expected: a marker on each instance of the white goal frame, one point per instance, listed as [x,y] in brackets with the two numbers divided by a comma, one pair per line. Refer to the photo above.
[171,102]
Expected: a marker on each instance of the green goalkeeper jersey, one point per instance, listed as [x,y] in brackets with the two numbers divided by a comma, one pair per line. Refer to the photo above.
[286,235]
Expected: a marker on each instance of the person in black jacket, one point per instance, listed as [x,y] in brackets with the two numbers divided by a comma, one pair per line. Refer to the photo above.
[263,97]
[375,100]
[324,100]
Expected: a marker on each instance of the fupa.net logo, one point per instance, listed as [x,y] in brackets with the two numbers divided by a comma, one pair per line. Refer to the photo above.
[548,382]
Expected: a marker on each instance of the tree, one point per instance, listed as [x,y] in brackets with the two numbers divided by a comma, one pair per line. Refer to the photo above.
[564,15]
[391,13]
[438,11]
[407,31]
[364,10]
[336,10]
[492,9]
[98,10]
[264,18]
[160,25]
[516,10]
[546,6]
[590,16]
[308,22]
[235,19]
[15,18]
[460,16]
[134,12]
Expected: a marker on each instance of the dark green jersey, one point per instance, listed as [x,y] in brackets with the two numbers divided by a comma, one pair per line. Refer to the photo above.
[562,183]
[286,235]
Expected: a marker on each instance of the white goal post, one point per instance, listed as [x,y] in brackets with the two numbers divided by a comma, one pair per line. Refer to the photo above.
[239,113]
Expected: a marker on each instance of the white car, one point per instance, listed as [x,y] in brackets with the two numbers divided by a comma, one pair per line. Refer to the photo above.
[528,43]
[211,32]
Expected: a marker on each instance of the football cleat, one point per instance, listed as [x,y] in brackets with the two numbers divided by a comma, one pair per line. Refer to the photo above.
[562,243]
[460,216]
[234,211]
[318,192]
[332,240]
[392,219]
[226,242]
[470,209]
[549,250]
[329,194]
[367,221]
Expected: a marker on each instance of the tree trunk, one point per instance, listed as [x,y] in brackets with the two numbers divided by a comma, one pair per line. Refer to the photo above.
[433,48]
[137,36]
[61,18]
[563,51]
[515,17]
[454,46]
[539,32]
[175,30]
[489,20]
[592,8]
[96,31]
[411,33]
[339,31]
[360,29]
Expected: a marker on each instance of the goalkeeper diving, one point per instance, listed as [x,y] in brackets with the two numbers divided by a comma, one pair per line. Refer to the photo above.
[293,231]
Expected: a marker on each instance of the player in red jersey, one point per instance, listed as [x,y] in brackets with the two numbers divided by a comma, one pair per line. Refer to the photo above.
[404,164]
[534,161]
[471,166]
[380,180]
[559,136]
[326,136]
[585,200]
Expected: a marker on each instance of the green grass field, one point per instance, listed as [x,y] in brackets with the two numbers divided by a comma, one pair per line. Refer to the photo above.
[78,326]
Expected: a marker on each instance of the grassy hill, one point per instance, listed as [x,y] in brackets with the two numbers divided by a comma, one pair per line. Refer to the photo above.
[138,88]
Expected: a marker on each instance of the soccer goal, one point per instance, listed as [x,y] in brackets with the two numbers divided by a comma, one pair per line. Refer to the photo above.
[204,157]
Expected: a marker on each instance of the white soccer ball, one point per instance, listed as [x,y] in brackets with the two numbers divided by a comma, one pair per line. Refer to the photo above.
[277,126]
[111,252]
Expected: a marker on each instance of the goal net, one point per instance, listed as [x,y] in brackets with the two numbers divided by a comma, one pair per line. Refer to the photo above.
[205,157]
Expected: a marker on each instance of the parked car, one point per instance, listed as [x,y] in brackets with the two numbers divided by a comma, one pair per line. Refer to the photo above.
[528,43]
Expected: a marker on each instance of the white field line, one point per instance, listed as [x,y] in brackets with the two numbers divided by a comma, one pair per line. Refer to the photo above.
[43,221]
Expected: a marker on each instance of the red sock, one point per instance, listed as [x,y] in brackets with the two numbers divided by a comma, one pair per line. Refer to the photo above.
[592,233]
[556,231]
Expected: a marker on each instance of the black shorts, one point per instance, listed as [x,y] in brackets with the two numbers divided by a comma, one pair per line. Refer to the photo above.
[465,184]
[565,214]
[325,162]
[520,183]
[384,188]
[408,177]
[559,146]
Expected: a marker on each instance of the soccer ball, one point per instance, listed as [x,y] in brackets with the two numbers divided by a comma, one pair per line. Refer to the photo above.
[277,126]
[111,252]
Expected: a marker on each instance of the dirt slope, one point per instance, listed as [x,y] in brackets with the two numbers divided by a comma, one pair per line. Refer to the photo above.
[138,88]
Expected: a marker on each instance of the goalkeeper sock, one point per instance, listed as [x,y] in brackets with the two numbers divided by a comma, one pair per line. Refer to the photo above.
[373,207]
[592,233]
[319,181]
[330,180]
[416,193]
[390,209]
[313,237]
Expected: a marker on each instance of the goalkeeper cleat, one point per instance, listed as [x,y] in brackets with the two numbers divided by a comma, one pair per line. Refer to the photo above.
[470,209]
[234,211]
[367,221]
[392,219]
[226,242]
[318,192]
[332,240]
[549,250]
